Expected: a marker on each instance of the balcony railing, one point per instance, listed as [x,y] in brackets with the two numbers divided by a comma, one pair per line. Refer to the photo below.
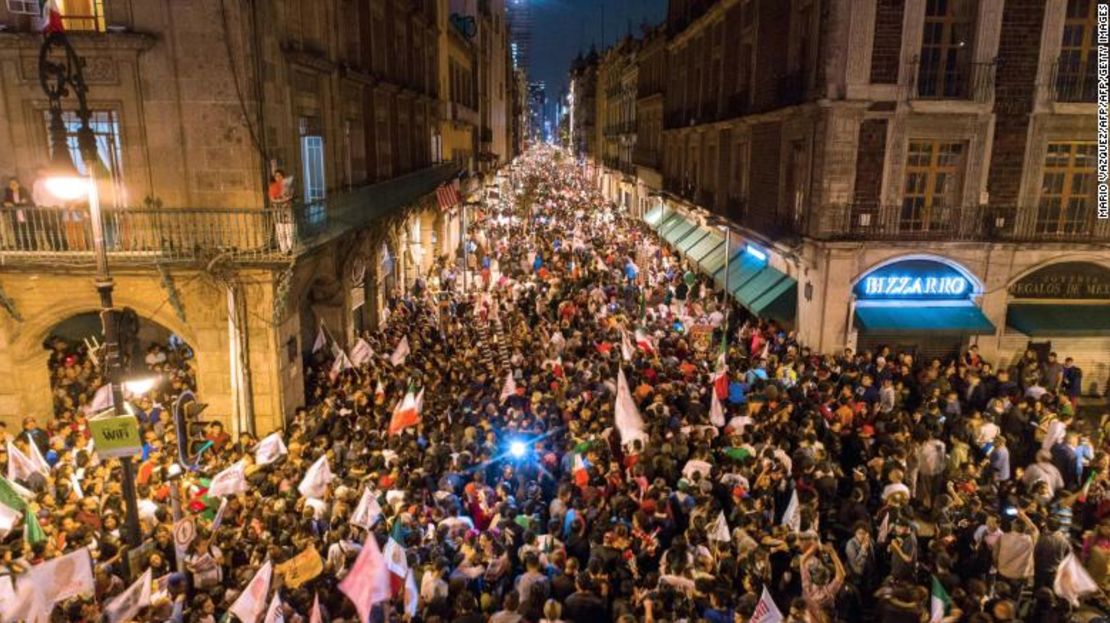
[959,81]
[645,157]
[1072,82]
[190,235]
[953,223]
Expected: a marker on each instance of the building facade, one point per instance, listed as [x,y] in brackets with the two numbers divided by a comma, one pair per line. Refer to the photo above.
[343,96]
[583,106]
[647,153]
[918,174]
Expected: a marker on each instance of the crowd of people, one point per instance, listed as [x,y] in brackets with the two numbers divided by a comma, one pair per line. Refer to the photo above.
[567,440]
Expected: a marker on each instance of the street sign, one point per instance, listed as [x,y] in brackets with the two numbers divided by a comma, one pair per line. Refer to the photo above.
[116,436]
[184,531]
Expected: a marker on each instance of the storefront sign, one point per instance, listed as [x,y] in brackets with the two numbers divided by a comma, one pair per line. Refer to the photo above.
[916,279]
[116,436]
[1066,280]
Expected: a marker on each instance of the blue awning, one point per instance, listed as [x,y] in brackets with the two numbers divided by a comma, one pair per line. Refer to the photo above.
[693,238]
[674,234]
[897,318]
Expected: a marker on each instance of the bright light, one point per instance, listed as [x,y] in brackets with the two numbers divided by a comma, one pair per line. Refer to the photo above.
[67,187]
[517,449]
[138,387]
[756,253]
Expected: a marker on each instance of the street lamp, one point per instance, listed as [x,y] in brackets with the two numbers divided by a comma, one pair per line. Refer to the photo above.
[722,225]
[61,74]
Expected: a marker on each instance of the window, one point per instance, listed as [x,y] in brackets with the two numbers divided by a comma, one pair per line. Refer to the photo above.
[312,163]
[105,126]
[1067,192]
[946,46]
[1075,71]
[933,182]
[82,14]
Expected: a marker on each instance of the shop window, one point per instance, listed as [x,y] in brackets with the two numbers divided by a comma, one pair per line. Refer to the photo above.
[946,46]
[933,175]
[1067,191]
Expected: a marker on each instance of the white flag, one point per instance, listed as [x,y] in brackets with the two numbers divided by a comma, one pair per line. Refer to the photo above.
[231,481]
[627,417]
[218,520]
[251,602]
[884,528]
[1073,581]
[412,595]
[316,479]
[792,518]
[127,604]
[274,613]
[321,339]
[509,388]
[395,558]
[766,611]
[627,350]
[38,459]
[20,466]
[367,512]
[361,352]
[315,616]
[716,411]
[342,362]
[8,518]
[401,353]
[101,400]
[719,530]
[269,449]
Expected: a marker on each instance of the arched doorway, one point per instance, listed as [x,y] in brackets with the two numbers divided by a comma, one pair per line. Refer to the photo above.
[149,350]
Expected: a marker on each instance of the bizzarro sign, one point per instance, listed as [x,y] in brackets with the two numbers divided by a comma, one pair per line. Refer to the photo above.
[915,279]
[1066,280]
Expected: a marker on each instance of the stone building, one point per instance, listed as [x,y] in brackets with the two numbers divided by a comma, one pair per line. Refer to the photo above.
[583,105]
[194,108]
[911,173]
[647,153]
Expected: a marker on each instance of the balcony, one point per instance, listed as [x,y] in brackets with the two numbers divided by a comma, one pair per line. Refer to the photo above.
[1072,83]
[791,89]
[461,113]
[63,235]
[933,80]
[738,105]
[646,157]
[954,223]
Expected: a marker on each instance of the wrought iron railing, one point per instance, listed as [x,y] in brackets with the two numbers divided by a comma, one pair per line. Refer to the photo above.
[183,235]
[866,221]
[938,80]
[1073,82]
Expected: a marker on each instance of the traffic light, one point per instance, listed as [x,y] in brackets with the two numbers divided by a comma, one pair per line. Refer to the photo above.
[189,426]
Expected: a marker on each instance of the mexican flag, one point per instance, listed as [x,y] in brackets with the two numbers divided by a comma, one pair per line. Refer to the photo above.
[51,17]
[396,559]
[379,393]
[407,412]
[940,604]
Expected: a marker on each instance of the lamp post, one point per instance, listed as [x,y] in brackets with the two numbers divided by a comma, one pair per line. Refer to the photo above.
[722,225]
[61,74]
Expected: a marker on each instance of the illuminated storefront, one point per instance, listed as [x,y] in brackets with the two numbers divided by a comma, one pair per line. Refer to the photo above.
[919,303]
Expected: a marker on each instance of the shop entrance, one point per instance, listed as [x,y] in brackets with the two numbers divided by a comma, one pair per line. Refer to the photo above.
[923,346]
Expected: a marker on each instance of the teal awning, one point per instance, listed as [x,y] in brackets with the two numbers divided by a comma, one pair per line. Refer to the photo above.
[900,318]
[672,219]
[741,268]
[693,238]
[653,216]
[1037,320]
[679,231]
[707,245]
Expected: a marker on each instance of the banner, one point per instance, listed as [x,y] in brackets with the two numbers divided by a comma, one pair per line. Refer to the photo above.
[301,568]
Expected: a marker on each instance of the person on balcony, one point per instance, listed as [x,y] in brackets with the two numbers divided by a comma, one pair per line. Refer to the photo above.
[281,198]
[17,202]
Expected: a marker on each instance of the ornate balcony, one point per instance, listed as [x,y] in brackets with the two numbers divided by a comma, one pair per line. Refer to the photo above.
[63,235]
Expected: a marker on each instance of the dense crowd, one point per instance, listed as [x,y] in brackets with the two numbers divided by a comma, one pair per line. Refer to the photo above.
[584,450]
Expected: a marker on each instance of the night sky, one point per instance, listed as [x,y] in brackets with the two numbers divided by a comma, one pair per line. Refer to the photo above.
[560,28]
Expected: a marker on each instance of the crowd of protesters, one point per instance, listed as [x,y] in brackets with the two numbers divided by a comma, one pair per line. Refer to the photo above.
[830,486]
